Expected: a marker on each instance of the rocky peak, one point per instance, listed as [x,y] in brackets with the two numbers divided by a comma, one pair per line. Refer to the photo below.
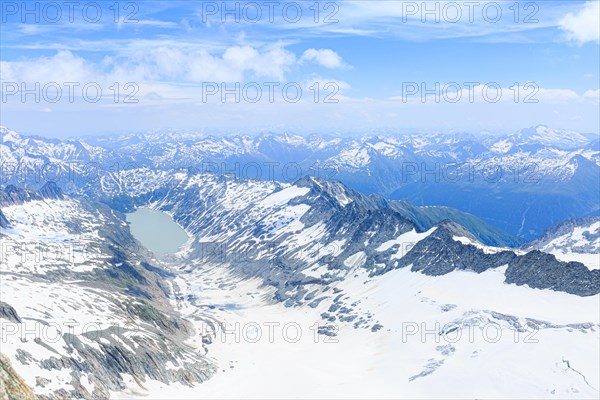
[50,190]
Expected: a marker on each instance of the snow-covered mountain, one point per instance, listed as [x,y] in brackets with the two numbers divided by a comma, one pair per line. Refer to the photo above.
[82,311]
[273,219]
[546,137]
[380,301]
[308,284]
[339,265]
[573,240]
[521,183]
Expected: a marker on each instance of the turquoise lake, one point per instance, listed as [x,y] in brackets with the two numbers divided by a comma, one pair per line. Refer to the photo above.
[156,230]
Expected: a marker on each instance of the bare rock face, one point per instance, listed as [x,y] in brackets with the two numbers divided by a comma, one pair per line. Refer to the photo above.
[543,271]
[8,313]
[3,220]
[12,386]
[101,314]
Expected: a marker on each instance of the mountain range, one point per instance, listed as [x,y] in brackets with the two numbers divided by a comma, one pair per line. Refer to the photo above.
[518,185]
[389,297]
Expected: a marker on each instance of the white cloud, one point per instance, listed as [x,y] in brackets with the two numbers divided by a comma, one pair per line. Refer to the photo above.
[273,62]
[584,25]
[235,64]
[324,57]
[64,66]
[593,96]
[555,95]
[443,19]
[163,63]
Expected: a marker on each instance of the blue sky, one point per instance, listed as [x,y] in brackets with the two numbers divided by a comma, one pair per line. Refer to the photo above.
[367,56]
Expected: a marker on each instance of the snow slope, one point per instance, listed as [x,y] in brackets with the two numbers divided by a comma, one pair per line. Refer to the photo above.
[494,347]
[574,240]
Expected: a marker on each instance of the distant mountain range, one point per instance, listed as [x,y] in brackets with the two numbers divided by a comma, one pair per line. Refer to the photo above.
[517,185]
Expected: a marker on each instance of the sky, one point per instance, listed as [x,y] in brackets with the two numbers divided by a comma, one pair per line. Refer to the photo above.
[85,68]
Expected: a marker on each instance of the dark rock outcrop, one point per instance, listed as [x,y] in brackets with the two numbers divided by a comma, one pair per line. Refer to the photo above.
[51,191]
[543,271]
[8,313]
[439,253]
[3,221]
